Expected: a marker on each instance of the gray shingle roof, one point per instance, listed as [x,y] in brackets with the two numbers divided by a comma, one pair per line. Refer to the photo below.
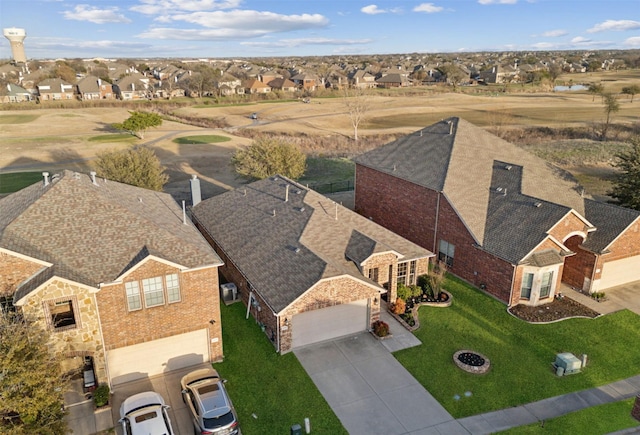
[92,233]
[455,157]
[284,247]
[610,221]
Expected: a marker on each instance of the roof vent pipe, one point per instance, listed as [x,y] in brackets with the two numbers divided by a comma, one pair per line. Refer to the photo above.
[286,193]
[46,178]
[184,212]
[450,127]
[92,174]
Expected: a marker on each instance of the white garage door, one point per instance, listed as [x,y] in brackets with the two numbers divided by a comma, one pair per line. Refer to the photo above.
[327,323]
[158,356]
[620,272]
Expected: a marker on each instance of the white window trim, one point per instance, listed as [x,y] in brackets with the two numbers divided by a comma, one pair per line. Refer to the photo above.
[155,280]
[538,273]
[166,278]
[126,290]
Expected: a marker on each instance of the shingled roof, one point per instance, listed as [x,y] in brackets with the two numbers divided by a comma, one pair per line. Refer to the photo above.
[284,238]
[457,158]
[610,221]
[93,233]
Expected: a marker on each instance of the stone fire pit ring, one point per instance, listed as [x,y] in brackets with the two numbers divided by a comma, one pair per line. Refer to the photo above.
[472,362]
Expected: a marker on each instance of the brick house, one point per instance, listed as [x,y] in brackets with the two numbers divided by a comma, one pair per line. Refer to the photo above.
[308,269]
[94,88]
[501,218]
[114,271]
[55,89]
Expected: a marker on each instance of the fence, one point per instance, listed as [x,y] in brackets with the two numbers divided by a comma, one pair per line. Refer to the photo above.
[338,186]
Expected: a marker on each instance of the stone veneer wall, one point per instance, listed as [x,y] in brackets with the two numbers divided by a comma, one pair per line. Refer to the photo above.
[85,338]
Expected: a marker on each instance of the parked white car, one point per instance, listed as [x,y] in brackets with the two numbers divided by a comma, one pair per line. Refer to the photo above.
[144,414]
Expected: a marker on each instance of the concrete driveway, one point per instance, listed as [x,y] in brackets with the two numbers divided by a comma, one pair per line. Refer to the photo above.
[625,296]
[168,386]
[370,391]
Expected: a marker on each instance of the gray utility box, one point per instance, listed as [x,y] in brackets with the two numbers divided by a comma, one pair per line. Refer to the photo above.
[568,363]
[228,293]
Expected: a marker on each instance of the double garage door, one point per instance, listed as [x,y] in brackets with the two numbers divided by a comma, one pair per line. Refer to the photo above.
[158,356]
[328,323]
[620,272]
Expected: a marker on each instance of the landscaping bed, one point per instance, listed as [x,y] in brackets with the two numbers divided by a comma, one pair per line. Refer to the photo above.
[561,308]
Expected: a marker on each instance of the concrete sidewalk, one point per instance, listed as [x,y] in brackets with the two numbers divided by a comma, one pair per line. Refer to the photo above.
[552,407]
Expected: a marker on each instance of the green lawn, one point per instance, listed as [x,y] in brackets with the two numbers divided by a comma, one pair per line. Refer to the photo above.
[17,119]
[201,139]
[597,420]
[114,137]
[521,354]
[14,181]
[273,387]
[326,174]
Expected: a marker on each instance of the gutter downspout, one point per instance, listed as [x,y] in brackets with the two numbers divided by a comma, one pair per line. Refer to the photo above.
[513,277]
[104,348]
[435,228]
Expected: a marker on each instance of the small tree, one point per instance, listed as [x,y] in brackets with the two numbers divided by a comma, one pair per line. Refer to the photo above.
[266,157]
[595,89]
[31,380]
[139,122]
[137,166]
[611,105]
[436,276]
[626,186]
[631,90]
[357,104]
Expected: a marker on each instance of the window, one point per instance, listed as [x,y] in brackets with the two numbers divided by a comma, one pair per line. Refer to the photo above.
[402,273]
[446,252]
[153,291]
[545,286]
[412,273]
[62,314]
[173,288]
[133,295]
[527,283]
[373,274]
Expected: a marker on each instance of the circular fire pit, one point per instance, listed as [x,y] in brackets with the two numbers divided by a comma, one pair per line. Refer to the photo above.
[472,362]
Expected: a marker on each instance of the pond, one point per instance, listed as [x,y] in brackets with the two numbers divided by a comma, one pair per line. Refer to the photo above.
[570,88]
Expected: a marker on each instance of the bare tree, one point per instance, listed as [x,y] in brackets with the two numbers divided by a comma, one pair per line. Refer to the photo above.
[357,104]
[611,105]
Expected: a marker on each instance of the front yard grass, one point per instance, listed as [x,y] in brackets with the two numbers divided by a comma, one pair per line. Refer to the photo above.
[598,419]
[520,353]
[273,387]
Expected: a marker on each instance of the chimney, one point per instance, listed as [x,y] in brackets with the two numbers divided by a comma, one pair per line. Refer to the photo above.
[46,178]
[92,174]
[196,196]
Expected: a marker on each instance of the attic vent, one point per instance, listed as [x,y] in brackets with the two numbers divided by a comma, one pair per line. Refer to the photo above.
[298,192]
[139,199]
[508,167]
[300,209]
[499,189]
[537,204]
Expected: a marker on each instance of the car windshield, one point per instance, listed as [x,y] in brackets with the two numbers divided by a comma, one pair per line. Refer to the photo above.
[223,420]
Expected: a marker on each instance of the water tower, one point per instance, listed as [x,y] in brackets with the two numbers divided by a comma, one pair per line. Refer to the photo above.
[16,37]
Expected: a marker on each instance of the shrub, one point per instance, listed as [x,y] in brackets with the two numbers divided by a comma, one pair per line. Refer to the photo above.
[101,396]
[403,292]
[415,291]
[380,328]
[423,283]
[399,307]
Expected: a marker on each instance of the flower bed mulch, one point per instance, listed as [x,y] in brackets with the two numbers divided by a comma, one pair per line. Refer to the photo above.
[559,309]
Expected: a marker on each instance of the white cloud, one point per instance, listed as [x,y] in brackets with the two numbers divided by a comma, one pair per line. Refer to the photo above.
[96,15]
[288,43]
[613,25]
[634,41]
[544,45]
[497,2]
[429,8]
[554,33]
[154,7]
[372,10]
[580,40]
[253,22]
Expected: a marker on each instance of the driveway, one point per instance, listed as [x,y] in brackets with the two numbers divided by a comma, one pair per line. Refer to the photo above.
[370,391]
[625,296]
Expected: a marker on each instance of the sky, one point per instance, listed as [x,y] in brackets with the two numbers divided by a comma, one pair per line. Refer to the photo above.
[268,28]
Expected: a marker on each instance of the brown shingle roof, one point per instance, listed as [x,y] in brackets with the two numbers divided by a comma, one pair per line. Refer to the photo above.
[92,233]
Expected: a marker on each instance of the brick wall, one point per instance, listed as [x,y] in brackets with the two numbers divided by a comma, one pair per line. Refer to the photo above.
[568,225]
[410,211]
[382,262]
[200,303]
[627,245]
[13,271]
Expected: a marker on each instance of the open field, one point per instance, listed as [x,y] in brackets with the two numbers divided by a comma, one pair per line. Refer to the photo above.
[70,138]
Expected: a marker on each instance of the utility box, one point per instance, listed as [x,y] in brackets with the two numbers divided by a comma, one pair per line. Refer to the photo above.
[228,293]
[568,363]
[296,429]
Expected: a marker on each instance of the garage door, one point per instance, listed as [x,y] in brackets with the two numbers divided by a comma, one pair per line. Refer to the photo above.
[158,356]
[620,272]
[327,323]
